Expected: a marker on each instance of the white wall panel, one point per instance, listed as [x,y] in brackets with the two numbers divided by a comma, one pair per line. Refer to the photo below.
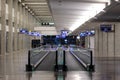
[105,44]
[111,44]
[117,40]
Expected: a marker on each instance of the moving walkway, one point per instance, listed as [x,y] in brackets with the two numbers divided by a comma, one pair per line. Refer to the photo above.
[56,60]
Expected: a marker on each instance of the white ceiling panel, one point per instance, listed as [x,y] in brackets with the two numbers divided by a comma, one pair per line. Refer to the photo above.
[66,14]
[74,12]
[39,8]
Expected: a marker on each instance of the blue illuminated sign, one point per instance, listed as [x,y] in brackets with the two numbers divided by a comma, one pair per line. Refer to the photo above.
[23,31]
[87,33]
[64,33]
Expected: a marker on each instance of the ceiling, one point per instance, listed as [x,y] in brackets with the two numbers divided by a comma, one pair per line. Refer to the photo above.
[111,14]
[70,14]
[40,10]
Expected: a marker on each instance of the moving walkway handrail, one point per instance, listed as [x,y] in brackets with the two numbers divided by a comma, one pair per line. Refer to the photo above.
[37,48]
[35,53]
[81,61]
[29,66]
[85,53]
[37,63]
[90,66]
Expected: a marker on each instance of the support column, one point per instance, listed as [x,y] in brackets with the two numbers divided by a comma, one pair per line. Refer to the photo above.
[3,27]
[27,42]
[19,25]
[10,24]
[29,20]
[3,38]
[24,26]
[15,24]
[10,36]
[96,43]
[31,27]
[20,36]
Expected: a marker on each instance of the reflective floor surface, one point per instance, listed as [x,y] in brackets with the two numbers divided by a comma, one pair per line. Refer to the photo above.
[12,67]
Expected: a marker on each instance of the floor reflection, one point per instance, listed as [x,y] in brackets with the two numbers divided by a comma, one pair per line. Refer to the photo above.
[60,75]
[13,68]
[29,76]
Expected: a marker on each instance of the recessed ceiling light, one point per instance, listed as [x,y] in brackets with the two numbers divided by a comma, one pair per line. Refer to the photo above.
[32,13]
[19,0]
[116,0]
[94,17]
[103,11]
[23,4]
[28,9]
[109,2]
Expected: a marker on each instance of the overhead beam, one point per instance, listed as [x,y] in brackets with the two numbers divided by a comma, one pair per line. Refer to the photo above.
[33,1]
[42,15]
[42,11]
[88,1]
[50,17]
[45,16]
[37,4]
[40,8]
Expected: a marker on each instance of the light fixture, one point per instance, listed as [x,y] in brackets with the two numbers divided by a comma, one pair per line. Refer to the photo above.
[23,4]
[26,7]
[103,11]
[117,0]
[19,0]
[30,11]
[95,10]
[33,14]
[78,37]
[109,2]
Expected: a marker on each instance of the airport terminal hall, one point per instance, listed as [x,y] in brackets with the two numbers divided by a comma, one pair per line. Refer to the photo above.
[59,39]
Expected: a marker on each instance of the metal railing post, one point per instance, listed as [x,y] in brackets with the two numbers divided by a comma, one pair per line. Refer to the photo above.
[64,57]
[29,57]
[92,66]
[91,57]
[56,57]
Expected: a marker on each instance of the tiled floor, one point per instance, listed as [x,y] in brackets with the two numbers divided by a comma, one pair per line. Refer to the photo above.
[12,67]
